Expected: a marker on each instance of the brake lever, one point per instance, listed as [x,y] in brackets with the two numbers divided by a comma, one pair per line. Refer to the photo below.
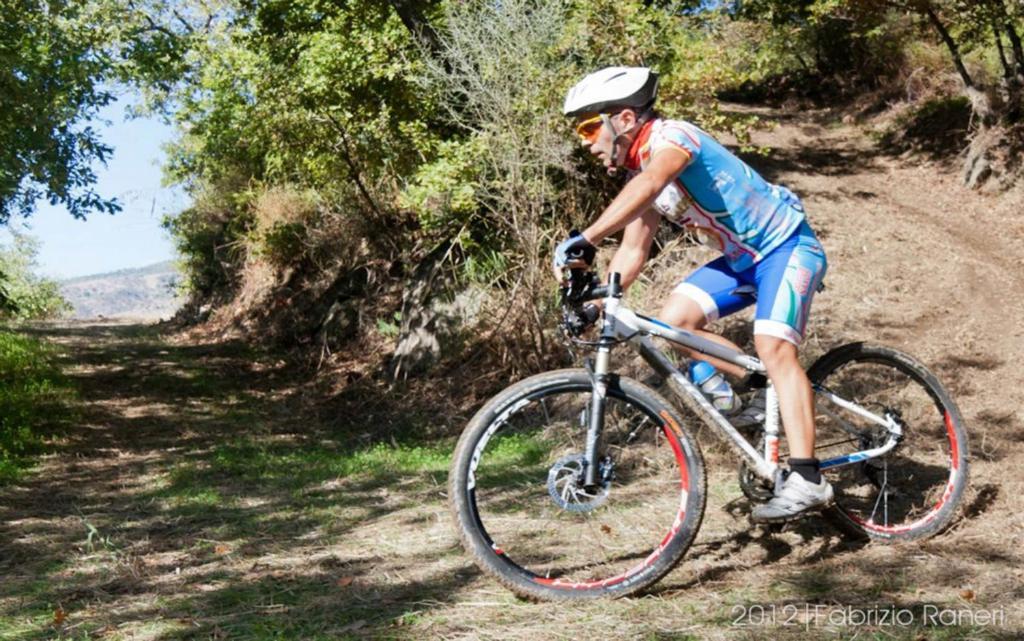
[579,283]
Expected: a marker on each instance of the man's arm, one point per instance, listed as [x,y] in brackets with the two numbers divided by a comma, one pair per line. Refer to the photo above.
[631,255]
[638,194]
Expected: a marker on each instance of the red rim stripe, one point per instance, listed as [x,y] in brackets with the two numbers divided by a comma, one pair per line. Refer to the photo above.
[950,485]
[684,481]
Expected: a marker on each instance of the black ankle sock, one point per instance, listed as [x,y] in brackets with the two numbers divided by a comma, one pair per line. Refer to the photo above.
[809,468]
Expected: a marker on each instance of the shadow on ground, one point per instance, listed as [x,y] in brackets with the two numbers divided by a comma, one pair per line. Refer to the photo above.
[201,493]
[193,492]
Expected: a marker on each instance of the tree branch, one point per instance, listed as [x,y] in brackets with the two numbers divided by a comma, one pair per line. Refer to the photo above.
[417,24]
[354,173]
[954,50]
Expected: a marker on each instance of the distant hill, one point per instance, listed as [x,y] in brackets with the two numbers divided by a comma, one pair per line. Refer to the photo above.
[142,292]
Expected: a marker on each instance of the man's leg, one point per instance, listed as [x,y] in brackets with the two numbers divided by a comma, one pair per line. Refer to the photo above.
[682,311]
[805,489]
[796,400]
[706,295]
[787,279]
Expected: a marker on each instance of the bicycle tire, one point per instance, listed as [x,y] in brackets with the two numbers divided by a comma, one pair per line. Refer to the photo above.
[913,491]
[528,537]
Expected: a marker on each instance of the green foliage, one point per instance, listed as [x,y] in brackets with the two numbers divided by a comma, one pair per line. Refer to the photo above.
[510,175]
[32,393]
[402,132]
[445,190]
[317,97]
[388,328]
[23,294]
[208,237]
[494,177]
[857,41]
[61,62]
[54,59]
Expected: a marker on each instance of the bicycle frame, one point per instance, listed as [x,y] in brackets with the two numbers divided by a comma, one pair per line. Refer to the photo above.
[620,324]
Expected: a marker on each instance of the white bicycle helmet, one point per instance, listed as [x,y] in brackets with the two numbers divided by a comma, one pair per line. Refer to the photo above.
[612,87]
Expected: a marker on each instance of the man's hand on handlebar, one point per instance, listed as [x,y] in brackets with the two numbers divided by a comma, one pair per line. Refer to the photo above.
[574,252]
[580,287]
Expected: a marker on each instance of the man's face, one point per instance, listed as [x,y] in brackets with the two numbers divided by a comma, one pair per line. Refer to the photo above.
[597,136]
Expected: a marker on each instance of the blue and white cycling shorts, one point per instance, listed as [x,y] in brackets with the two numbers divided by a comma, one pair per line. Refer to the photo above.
[786,279]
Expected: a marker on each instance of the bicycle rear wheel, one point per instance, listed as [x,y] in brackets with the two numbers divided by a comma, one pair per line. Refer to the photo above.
[517,495]
[913,491]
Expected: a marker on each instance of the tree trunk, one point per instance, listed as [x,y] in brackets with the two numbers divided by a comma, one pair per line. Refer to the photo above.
[1018,49]
[414,20]
[954,50]
[1007,69]
[1011,34]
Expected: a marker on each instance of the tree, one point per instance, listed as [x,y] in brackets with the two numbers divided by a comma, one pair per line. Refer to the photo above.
[54,69]
[60,63]
[23,294]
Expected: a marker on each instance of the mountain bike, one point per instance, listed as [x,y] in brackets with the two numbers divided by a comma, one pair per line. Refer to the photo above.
[583,483]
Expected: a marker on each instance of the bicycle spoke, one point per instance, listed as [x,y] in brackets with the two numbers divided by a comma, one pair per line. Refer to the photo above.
[836,443]
[906,491]
[546,522]
[885,485]
[871,517]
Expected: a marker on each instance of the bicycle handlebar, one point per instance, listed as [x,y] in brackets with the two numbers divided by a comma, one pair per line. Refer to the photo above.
[582,286]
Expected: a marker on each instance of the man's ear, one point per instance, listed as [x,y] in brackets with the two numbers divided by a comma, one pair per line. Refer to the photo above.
[629,118]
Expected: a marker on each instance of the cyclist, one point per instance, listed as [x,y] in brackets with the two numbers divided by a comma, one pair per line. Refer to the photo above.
[681,173]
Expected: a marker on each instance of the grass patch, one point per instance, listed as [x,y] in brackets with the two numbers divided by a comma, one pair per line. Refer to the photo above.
[33,396]
[27,606]
[293,468]
[939,127]
[27,624]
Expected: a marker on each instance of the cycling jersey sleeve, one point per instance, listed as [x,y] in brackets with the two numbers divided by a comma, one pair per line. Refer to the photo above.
[674,135]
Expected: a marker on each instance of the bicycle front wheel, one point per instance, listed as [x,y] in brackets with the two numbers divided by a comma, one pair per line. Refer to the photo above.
[522,509]
[912,492]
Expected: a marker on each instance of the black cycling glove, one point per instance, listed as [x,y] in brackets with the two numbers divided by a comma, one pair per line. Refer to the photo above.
[574,248]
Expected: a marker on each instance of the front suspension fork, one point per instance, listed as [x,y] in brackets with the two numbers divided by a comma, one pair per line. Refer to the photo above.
[595,425]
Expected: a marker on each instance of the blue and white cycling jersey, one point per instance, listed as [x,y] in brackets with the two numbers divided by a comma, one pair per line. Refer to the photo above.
[730,205]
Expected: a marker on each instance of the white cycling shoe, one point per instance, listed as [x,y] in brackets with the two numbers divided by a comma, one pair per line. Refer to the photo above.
[797,497]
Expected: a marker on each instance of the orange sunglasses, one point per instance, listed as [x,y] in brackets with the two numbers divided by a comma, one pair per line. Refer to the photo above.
[587,129]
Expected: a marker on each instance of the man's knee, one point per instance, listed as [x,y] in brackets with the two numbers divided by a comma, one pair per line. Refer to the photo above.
[683,311]
[775,352]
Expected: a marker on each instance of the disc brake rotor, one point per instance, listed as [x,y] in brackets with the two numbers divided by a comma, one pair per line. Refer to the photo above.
[565,485]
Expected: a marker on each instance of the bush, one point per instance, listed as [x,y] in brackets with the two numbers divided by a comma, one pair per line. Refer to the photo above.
[209,239]
[23,294]
[938,126]
[31,388]
[285,219]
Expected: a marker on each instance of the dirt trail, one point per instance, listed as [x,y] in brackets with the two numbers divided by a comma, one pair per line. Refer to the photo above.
[205,495]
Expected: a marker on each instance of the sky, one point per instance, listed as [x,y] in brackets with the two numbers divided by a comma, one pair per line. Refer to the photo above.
[130,238]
